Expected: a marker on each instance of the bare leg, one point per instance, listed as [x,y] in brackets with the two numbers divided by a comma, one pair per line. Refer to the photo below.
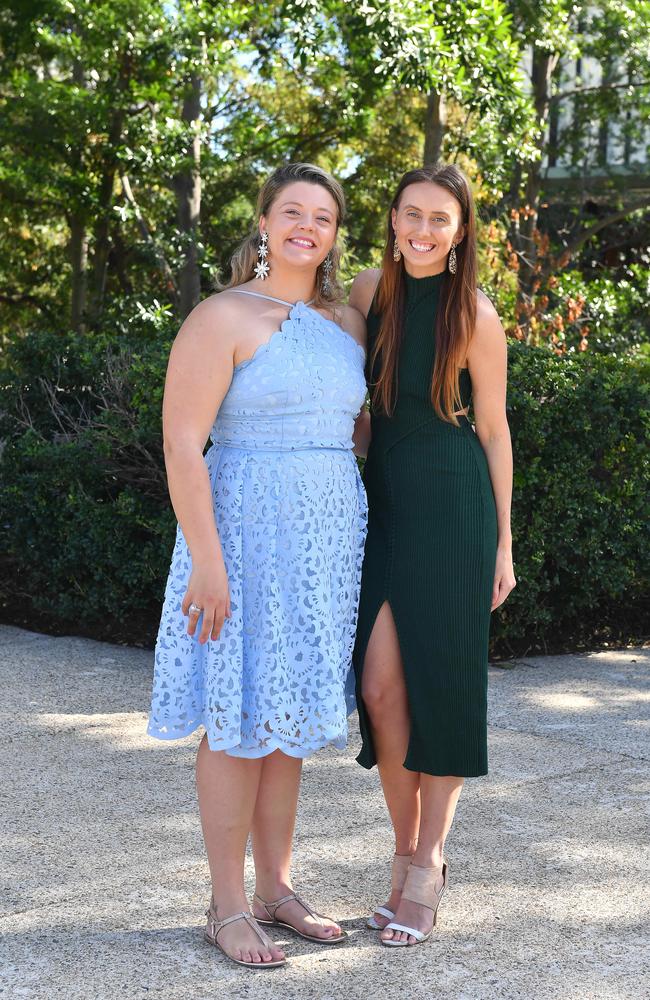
[439,797]
[227,788]
[272,828]
[384,694]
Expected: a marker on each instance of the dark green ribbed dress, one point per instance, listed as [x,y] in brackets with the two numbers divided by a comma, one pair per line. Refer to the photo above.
[430,552]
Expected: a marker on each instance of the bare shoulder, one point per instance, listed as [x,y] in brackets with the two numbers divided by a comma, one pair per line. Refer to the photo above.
[214,319]
[363,289]
[351,320]
[488,331]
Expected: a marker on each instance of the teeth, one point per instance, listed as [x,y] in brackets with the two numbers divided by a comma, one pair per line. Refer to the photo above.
[421,247]
[304,243]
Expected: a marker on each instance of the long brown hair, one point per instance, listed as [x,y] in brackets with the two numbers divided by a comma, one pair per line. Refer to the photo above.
[245,257]
[456,314]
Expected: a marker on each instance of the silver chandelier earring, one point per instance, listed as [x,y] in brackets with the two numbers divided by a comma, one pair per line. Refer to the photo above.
[453,262]
[397,253]
[328,267]
[262,266]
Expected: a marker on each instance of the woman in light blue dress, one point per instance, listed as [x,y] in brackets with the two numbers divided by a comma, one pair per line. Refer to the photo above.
[260,609]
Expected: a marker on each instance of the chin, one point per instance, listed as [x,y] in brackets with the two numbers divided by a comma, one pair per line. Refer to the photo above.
[428,261]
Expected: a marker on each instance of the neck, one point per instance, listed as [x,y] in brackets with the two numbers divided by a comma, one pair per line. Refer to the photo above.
[288,284]
[424,272]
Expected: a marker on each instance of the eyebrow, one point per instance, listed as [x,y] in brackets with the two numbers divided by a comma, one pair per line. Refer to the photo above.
[434,212]
[300,204]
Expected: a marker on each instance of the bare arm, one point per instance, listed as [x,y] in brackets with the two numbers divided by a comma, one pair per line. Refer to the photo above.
[361,296]
[363,290]
[487,361]
[198,376]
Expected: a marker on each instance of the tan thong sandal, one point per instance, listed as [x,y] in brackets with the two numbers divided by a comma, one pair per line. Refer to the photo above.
[424,886]
[399,869]
[272,909]
[214,926]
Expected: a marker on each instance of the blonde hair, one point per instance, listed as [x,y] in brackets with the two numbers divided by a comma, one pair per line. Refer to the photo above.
[245,256]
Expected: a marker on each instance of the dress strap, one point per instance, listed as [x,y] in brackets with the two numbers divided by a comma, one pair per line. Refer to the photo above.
[271,298]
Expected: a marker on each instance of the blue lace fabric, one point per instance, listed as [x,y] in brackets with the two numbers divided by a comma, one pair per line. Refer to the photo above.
[291,513]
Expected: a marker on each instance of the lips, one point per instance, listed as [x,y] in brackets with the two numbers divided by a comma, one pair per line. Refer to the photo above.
[421,247]
[302,242]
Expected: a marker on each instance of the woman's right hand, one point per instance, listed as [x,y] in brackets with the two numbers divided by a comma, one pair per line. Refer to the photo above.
[207,589]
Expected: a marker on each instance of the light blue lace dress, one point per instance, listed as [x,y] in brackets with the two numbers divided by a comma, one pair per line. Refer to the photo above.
[291,514]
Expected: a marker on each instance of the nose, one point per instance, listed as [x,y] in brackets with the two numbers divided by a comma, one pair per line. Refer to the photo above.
[306,222]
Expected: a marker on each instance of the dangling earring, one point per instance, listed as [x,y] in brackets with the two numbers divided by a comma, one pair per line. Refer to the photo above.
[453,263]
[397,253]
[262,266]
[328,266]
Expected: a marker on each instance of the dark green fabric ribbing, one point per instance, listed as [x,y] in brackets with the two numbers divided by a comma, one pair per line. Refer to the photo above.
[430,552]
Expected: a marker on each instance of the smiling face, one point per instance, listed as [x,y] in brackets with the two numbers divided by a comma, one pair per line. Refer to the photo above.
[426,222]
[301,224]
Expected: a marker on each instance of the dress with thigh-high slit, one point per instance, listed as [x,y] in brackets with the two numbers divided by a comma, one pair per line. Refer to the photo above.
[430,553]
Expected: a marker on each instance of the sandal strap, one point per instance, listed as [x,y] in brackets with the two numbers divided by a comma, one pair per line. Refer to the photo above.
[399,869]
[418,935]
[425,886]
[216,925]
[272,908]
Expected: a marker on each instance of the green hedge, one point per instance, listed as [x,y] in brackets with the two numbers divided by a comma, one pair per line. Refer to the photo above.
[86,529]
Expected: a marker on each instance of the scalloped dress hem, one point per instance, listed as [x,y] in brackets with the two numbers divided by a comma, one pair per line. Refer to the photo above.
[339,741]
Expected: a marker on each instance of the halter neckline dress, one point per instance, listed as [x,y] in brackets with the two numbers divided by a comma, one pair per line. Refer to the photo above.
[290,509]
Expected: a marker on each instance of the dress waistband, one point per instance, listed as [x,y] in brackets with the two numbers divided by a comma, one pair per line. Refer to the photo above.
[279,448]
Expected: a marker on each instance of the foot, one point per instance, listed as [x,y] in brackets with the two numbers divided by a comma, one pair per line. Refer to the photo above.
[239,941]
[392,904]
[411,915]
[293,913]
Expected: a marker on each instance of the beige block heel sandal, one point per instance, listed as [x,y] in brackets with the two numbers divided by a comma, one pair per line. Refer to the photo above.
[399,869]
[424,886]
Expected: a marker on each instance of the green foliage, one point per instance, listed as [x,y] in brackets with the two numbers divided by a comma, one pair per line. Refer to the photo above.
[580,428]
[615,312]
[85,521]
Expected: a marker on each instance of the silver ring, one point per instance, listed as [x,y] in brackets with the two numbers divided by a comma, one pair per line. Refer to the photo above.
[195,609]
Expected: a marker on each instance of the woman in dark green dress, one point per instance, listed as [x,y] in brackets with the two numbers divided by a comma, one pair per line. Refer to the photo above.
[438,553]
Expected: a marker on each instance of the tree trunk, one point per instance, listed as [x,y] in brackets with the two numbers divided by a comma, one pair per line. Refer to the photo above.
[187,187]
[435,126]
[78,250]
[523,230]
[78,243]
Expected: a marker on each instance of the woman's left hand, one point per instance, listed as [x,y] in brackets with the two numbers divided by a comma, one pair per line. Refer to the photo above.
[504,577]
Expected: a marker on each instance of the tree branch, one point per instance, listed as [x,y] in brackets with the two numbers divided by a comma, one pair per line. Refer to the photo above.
[148,237]
[602,87]
[581,238]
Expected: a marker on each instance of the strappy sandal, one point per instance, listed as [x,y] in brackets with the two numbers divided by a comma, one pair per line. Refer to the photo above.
[399,869]
[424,886]
[272,909]
[214,926]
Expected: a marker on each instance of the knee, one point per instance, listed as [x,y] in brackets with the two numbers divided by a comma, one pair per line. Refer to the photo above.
[378,699]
